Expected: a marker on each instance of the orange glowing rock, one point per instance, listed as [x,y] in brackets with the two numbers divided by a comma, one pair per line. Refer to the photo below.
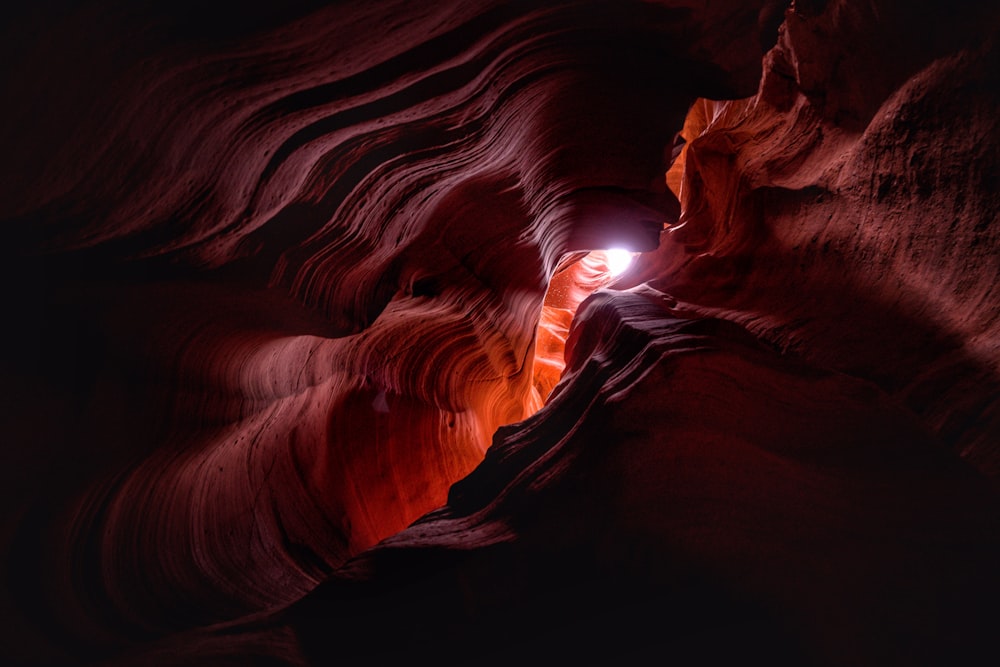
[300,364]
[576,278]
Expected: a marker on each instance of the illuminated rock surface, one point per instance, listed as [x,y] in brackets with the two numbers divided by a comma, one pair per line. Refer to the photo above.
[275,279]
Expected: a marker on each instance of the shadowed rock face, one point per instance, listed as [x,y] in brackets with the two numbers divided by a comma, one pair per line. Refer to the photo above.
[279,338]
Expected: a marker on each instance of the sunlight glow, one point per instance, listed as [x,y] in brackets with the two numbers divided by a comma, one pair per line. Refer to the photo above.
[618,260]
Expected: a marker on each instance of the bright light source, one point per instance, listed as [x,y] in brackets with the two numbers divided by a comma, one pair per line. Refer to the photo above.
[618,260]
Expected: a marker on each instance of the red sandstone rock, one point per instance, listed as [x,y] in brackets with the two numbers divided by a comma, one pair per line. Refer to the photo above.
[706,500]
[579,276]
[274,281]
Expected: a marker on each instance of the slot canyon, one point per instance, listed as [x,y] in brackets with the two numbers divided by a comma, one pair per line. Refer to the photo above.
[313,356]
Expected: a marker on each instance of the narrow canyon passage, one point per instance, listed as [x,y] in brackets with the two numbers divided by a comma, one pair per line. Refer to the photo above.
[316,352]
[576,277]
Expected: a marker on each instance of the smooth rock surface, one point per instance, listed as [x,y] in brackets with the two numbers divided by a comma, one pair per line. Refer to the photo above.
[286,292]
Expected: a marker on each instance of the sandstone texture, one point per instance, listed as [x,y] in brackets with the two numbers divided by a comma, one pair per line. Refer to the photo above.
[313,356]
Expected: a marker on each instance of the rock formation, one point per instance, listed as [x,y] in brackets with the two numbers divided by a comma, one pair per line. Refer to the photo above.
[308,362]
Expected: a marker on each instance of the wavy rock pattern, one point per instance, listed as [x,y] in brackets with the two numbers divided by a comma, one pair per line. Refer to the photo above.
[850,225]
[686,493]
[278,277]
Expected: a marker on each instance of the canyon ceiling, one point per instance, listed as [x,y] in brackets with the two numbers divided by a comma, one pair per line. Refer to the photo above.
[306,361]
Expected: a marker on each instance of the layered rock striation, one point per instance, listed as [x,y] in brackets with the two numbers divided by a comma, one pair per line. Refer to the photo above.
[284,385]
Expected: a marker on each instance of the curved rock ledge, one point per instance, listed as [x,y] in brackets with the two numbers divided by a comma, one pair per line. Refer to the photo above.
[283,385]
